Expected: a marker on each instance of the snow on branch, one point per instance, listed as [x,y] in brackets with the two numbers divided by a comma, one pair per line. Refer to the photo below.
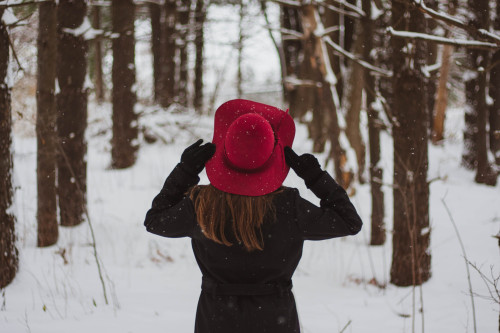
[354,58]
[442,40]
[456,22]
[17,3]
[354,12]
[85,30]
[288,3]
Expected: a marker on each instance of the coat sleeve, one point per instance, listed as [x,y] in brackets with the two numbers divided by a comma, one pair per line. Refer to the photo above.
[336,216]
[172,213]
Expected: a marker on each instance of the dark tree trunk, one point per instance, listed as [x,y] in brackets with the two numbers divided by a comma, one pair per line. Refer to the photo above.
[411,254]
[155,13]
[8,251]
[168,37]
[495,95]
[71,113]
[376,173]
[349,26]
[98,82]
[353,102]
[183,11]
[432,54]
[46,125]
[476,117]
[125,130]
[292,54]
[199,42]
[332,19]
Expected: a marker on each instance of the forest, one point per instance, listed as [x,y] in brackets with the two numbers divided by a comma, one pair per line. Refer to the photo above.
[399,100]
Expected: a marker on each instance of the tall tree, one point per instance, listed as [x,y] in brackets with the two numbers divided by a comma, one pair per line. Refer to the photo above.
[125,130]
[183,11]
[97,70]
[495,95]
[200,16]
[8,250]
[411,257]
[71,112]
[168,37]
[376,173]
[46,125]
[331,19]
[475,154]
[155,14]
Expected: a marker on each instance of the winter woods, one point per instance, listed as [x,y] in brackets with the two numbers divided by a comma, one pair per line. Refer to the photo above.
[353,73]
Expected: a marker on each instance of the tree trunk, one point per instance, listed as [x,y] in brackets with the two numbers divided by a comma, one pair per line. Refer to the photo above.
[331,19]
[325,123]
[411,254]
[298,97]
[354,100]
[98,82]
[8,251]
[495,95]
[71,113]
[441,96]
[377,236]
[183,12]
[124,142]
[168,37]
[46,125]
[477,109]
[241,40]
[155,13]
[199,42]
[432,55]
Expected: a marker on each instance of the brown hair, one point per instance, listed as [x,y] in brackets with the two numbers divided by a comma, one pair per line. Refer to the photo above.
[215,208]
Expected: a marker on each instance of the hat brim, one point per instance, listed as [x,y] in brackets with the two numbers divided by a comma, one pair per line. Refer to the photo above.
[268,177]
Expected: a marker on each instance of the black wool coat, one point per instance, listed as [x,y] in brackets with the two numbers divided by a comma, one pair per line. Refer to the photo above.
[231,299]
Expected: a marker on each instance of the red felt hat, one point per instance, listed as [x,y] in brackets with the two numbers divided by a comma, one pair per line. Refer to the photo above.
[249,139]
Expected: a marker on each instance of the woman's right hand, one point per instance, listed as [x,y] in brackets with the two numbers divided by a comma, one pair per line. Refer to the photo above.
[194,157]
[306,166]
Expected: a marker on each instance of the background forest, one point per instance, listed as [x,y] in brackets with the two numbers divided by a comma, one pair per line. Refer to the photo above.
[400,101]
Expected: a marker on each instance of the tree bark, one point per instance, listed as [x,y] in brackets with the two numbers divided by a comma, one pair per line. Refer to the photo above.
[354,100]
[298,97]
[71,113]
[8,251]
[411,254]
[332,19]
[46,125]
[377,236]
[183,11]
[495,95]
[476,117]
[168,37]
[124,142]
[98,81]
[441,96]
[155,14]
[199,43]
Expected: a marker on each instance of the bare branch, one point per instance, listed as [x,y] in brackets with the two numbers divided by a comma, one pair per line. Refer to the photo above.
[290,32]
[5,4]
[14,53]
[456,22]
[288,3]
[292,81]
[354,14]
[337,48]
[330,30]
[472,44]
[352,7]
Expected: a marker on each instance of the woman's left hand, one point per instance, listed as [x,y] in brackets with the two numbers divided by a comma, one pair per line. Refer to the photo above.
[194,157]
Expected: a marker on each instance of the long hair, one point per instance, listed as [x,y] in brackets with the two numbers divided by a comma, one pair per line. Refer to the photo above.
[221,214]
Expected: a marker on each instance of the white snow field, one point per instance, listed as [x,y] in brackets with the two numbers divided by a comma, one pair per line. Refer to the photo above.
[152,283]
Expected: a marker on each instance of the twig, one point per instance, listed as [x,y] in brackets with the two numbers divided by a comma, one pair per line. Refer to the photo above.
[337,48]
[346,325]
[466,262]
[349,6]
[86,212]
[472,44]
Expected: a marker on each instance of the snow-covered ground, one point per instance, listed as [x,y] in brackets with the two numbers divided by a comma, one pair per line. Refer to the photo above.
[152,283]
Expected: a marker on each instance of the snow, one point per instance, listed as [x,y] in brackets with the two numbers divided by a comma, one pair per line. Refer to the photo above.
[153,283]
[85,29]
[8,16]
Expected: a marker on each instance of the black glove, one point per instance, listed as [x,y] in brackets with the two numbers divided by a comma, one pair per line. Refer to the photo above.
[193,159]
[306,166]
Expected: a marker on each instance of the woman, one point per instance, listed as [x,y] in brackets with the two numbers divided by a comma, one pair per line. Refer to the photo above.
[247,230]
